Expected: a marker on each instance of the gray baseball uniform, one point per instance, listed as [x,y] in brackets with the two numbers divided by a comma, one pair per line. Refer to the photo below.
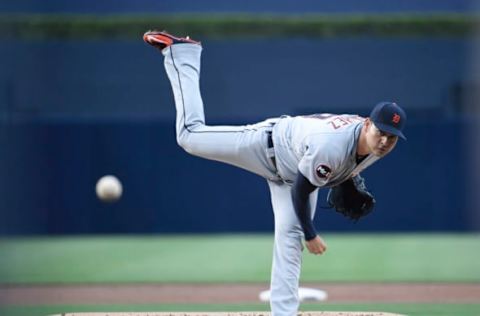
[321,147]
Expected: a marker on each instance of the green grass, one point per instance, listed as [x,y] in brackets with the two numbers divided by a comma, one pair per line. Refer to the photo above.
[39,26]
[406,309]
[237,258]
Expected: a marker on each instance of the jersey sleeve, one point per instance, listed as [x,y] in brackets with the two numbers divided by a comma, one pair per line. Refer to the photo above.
[320,160]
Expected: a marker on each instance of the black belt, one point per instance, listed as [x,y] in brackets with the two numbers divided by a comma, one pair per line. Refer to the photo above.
[270,145]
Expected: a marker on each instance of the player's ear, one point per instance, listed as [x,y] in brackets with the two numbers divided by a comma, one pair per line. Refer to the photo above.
[368,123]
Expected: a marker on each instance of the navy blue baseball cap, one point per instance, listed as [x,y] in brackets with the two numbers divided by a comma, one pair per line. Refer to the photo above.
[389,117]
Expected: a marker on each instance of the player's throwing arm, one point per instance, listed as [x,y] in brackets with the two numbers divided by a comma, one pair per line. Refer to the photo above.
[296,155]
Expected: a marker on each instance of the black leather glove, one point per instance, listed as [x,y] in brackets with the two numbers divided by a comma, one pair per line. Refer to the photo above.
[351,198]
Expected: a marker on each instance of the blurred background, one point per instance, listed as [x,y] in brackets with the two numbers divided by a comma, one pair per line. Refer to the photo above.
[82,96]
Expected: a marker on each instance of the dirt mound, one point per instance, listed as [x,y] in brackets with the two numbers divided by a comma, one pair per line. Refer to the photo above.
[233,314]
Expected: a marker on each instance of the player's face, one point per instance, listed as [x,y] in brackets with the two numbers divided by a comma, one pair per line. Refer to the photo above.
[379,143]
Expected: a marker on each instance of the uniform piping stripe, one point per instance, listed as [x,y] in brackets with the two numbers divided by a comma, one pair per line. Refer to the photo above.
[183,103]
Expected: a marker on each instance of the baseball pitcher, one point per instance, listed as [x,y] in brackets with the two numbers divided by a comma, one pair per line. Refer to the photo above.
[296,155]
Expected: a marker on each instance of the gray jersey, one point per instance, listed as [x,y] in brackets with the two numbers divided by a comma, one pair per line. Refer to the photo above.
[322,147]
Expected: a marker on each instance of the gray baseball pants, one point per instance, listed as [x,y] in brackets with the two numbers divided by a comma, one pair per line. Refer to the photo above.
[245,147]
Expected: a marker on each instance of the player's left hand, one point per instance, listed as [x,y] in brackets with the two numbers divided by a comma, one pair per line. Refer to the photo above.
[316,245]
[351,198]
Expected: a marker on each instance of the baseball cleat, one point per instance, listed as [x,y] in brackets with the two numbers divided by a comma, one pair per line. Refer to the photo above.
[162,40]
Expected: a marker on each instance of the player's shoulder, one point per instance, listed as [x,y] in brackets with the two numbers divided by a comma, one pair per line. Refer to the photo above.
[337,134]
[332,121]
[331,125]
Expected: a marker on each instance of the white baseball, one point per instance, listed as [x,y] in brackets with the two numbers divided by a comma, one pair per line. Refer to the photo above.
[109,188]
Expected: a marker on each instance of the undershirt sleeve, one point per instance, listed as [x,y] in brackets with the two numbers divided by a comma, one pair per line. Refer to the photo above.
[301,190]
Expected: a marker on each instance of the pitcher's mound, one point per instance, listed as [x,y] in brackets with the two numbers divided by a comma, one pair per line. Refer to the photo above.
[231,314]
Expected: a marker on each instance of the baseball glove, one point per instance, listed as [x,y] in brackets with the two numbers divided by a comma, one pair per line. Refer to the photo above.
[351,198]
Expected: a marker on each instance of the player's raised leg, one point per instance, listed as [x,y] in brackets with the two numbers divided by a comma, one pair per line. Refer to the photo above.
[287,251]
[242,146]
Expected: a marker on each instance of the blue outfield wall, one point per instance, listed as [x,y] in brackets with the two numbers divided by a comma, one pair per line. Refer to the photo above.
[72,111]
[240,79]
[246,6]
[51,166]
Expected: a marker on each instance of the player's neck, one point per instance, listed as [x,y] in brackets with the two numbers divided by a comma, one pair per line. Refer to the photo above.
[362,147]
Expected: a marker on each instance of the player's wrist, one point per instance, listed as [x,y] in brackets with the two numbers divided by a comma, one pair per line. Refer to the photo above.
[309,237]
